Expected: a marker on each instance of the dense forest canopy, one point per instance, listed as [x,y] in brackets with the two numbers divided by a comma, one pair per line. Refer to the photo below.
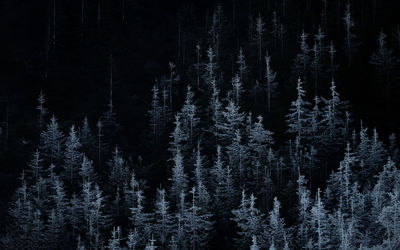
[200,124]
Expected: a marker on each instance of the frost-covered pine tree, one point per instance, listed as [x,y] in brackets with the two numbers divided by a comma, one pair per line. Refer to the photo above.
[198,223]
[237,88]
[72,156]
[333,116]
[254,245]
[332,66]
[302,60]
[162,218]
[238,155]
[304,206]
[320,222]
[36,166]
[232,120]
[200,174]
[140,219]
[86,170]
[118,170]
[189,115]
[86,137]
[42,109]
[210,68]
[249,220]
[179,178]
[259,141]
[52,139]
[270,79]
[348,41]
[276,227]
[155,113]
[383,58]
[114,243]
[297,118]
[178,136]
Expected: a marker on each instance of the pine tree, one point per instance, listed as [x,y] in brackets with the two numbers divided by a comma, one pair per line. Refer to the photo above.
[155,113]
[297,118]
[52,139]
[86,137]
[210,68]
[86,171]
[302,60]
[304,207]
[35,165]
[163,218]
[276,226]
[249,221]
[189,115]
[237,88]
[383,59]
[115,242]
[319,219]
[198,223]
[140,219]
[198,65]
[270,80]
[42,109]
[72,156]
[179,178]
[232,121]
[119,172]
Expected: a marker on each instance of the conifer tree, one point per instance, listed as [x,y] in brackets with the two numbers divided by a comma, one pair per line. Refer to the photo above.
[52,139]
[320,221]
[163,218]
[189,115]
[383,59]
[155,113]
[237,88]
[179,177]
[297,119]
[72,156]
[42,109]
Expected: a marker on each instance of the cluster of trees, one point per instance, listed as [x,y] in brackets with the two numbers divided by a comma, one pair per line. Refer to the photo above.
[325,184]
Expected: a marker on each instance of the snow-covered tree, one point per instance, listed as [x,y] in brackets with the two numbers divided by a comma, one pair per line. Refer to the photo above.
[249,221]
[86,170]
[155,113]
[72,156]
[140,219]
[232,120]
[42,109]
[179,178]
[237,88]
[302,60]
[198,223]
[320,222]
[383,58]
[114,243]
[189,115]
[52,139]
[297,118]
[210,68]
[162,218]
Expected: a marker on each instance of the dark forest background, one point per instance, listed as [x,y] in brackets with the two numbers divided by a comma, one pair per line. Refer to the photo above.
[143,36]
